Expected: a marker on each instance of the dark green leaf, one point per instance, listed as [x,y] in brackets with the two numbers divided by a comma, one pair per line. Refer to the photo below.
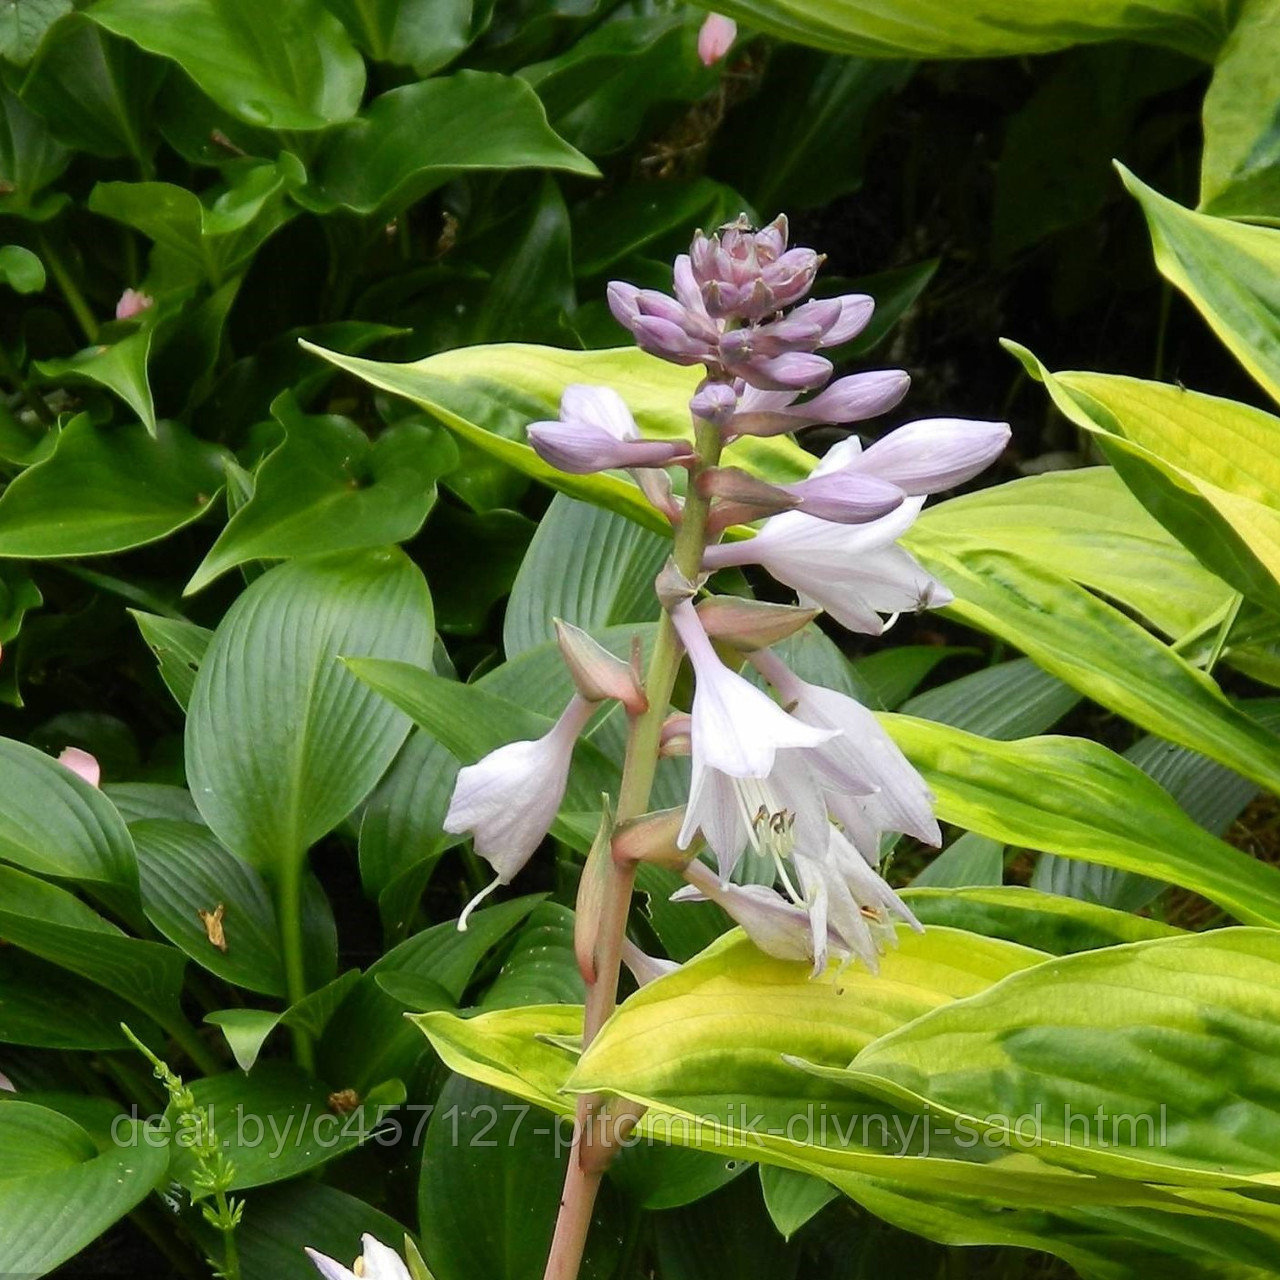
[422,34]
[417,138]
[282,741]
[588,566]
[30,159]
[54,823]
[20,269]
[179,647]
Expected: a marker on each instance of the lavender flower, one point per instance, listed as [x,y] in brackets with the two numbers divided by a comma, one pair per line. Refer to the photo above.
[595,431]
[728,291]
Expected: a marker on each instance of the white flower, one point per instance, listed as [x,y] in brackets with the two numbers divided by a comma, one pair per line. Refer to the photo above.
[376,1262]
[850,907]
[855,572]
[926,456]
[899,799]
[755,768]
[508,800]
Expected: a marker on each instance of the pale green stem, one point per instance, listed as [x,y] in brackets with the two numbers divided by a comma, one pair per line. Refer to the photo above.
[588,1161]
[295,971]
[70,290]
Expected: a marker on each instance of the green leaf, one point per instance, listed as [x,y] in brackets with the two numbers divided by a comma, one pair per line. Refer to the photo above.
[54,823]
[287,67]
[23,24]
[609,228]
[1240,169]
[1074,797]
[179,647]
[49,1008]
[1204,467]
[483,1148]
[329,488]
[590,567]
[1008,700]
[600,89]
[1086,526]
[30,159]
[401,830]
[198,241]
[246,1030]
[183,871]
[282,741]
[1034,919]
[471,559]
[21,270]
[802,141]
[279,1222]
[532,287]
[108,489]
[1103,654]
[275,1123]
[885,680]
[970,860]
[412,140]
[470,721]
[57,1193]
[488,395]
[369,1037]
[987,28]
[725,1236]
[541,968]
[422,34]
[1168,1041]
[56,926]
[120,366]
[793,1198]
[1227,270]
[94,90]
[670,1037]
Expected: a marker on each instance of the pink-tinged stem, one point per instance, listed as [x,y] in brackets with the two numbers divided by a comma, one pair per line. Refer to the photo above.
[595,1137]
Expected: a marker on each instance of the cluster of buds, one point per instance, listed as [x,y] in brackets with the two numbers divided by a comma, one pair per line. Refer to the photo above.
[809,781]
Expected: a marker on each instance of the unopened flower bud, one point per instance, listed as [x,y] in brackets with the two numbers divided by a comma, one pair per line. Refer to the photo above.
[133,302]
[715,38]
[597,674]
[740,496]
[82,764]
[652,838]
[714,402]
[677,735]
[751,624]
[791,371]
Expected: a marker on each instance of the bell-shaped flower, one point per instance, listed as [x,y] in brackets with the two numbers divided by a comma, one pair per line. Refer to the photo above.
[758,773]
[508,800]
[376,1262]
[595,431]
[899,800]
[715,38]
[928,456]
[778,926]
[855,572]
[851,908]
